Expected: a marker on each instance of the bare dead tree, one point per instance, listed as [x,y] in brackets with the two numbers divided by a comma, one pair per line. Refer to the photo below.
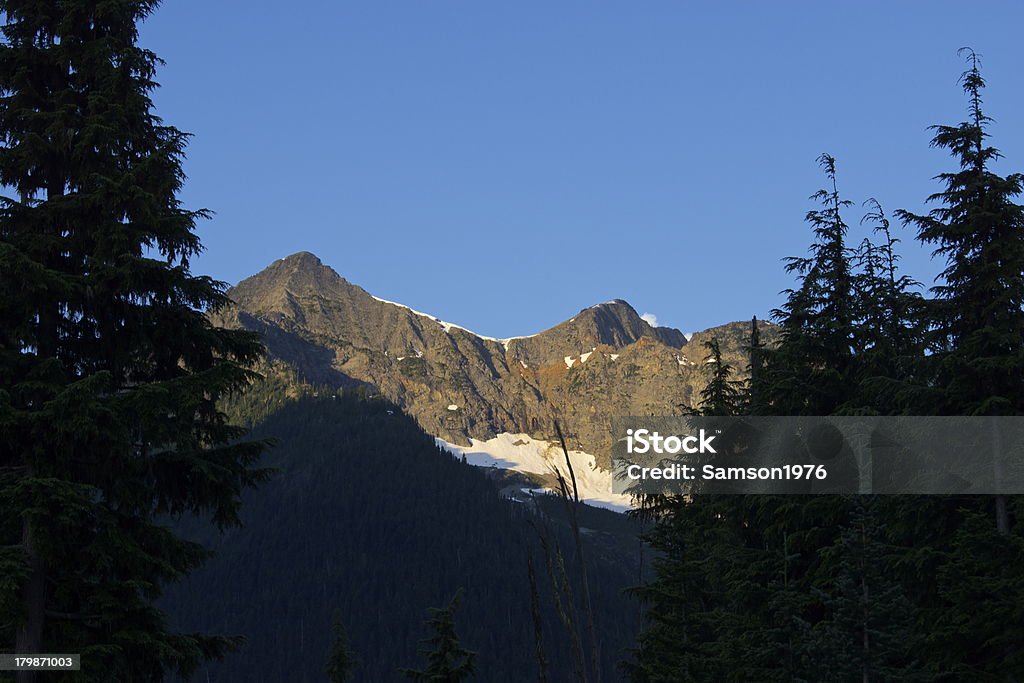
[564,600]
[572,509]
[538,635]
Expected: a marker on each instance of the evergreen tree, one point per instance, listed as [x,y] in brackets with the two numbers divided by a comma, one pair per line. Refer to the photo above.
[857,588]
[446,660]
[340,660]
[809,373]
[680,639]
[110,372]
[976,364]
[755,370]
[889,329]
[722,395]
[870,629]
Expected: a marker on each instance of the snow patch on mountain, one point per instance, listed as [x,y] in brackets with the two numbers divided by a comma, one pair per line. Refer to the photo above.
[523,453]
[447,326]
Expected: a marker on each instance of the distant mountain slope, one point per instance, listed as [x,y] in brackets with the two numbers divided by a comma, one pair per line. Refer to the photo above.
[604,361]
[367,519]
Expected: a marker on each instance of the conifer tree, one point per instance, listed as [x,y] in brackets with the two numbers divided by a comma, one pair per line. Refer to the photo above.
[755,369]
[110,371]
[870,630]
[841,588]
[722,395]
[974,366]
[446,660]
[889,328]
[976,317]
[340,660]
[809,371]
[680,641]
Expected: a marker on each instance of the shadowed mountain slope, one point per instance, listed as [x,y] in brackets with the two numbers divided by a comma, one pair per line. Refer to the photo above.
[604,361]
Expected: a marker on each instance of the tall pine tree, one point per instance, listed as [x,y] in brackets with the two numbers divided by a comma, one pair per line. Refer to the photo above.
[446,660]
[889,328]
[110,371]
[975,366]
[722,395]
[809,373]
[976,317]
[755,370]
[341,662]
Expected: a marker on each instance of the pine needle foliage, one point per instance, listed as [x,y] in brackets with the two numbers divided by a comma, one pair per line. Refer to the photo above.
[446,660]
[809,372]
[110,371]
[976,318]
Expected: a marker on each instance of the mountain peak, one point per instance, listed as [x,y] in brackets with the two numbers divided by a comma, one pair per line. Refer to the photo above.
[303,259]
[301,274]
[606,360]
[278,288]
[613,302]
[617,323]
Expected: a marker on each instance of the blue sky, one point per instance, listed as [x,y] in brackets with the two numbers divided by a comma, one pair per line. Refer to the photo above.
[503,165]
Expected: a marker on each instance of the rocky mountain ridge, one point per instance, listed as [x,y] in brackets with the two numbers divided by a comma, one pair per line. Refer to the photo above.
[458,385]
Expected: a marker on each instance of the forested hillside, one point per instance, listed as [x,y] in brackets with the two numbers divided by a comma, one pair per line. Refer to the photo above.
[368,522]
[857,587]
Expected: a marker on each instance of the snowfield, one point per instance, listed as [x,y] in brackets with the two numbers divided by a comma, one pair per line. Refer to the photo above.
[523,453]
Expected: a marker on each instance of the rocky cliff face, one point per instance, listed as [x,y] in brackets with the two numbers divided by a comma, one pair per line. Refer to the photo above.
[604,361]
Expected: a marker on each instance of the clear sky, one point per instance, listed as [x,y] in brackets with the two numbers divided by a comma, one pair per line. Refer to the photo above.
[504,164]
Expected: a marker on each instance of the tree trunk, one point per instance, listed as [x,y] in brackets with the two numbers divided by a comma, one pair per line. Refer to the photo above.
[865,635]
[1002,516]
[29,639]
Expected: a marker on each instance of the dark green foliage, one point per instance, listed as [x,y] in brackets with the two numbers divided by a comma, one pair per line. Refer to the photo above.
[889,334]
[809,372]
[869,626]
[446,660]
[975,366]
[722,395]
[851,326]
[683,634]
[367,519]
[341,662]
[866,588]
[976,320]
[755,370]
[775,589]
[964,578]
[110,371]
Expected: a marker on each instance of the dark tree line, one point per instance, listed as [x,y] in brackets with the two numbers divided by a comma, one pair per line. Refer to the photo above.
[367,523]
[845,588]
[110,371]
[112,377]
